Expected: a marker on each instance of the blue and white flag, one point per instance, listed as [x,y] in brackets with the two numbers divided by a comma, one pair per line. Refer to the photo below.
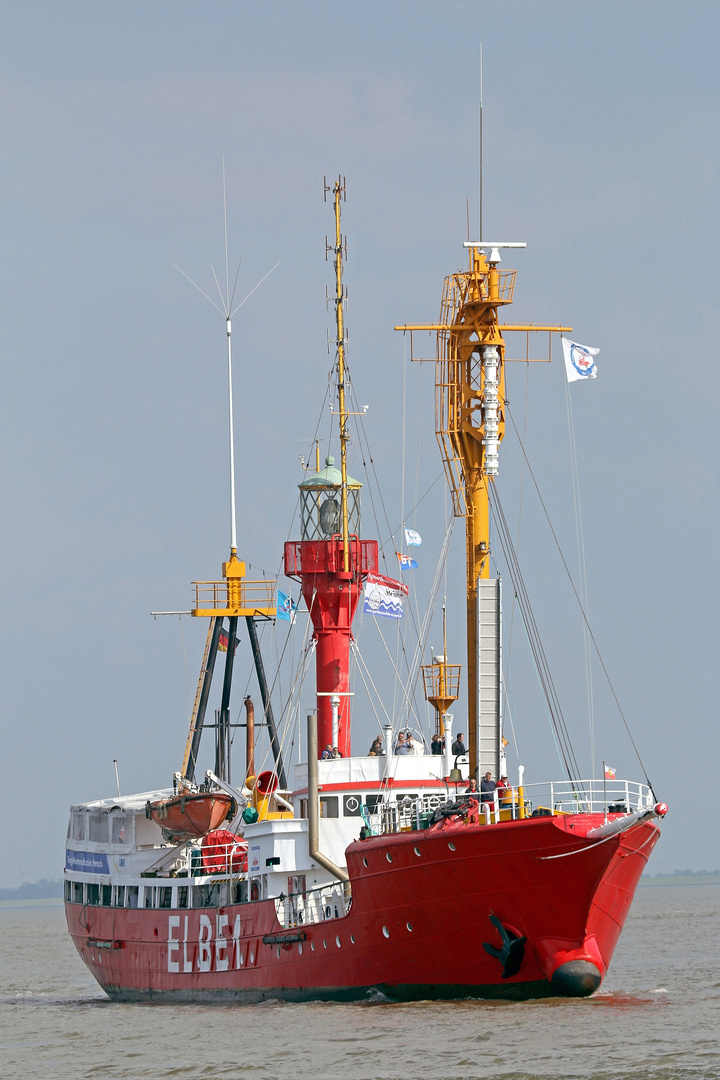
[406,562]
[412,537]
[579,360]
[383,596]
[286,607]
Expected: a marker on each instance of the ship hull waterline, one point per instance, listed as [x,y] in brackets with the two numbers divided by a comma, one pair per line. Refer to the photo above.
[416,929]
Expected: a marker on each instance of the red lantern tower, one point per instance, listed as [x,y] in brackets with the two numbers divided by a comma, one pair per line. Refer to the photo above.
[330,559]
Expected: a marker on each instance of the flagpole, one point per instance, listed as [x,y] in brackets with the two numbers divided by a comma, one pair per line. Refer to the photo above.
[605,793]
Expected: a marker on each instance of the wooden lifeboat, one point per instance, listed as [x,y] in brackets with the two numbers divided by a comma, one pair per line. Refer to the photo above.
[191,814]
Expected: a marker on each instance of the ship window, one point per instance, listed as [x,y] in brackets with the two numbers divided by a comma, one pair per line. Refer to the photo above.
[164,897]
[92,893]
[303,808]
[119,896]
[77,892]
[105,895]
[98,829]
[206,895]
[372,802]
[68,890]
[131,897]
[149,896]
[328,806]
[121,828]
[182,899]
[78,826]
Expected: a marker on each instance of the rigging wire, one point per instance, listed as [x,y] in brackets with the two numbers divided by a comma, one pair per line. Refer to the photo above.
[582,610]
[582,570]
[543,669]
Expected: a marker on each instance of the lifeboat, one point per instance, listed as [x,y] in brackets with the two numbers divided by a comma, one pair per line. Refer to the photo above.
[191,814]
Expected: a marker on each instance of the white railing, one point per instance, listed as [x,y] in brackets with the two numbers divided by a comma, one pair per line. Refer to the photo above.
[313,906]
[554,797]
[590,796]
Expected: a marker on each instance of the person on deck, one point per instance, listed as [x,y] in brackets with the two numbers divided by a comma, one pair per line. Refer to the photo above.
[376,750]
[504,791]
[414,748]
[400,747]
[471,789]
[327,752]
[335,752]
[459,747]
[437,745]
[487,788]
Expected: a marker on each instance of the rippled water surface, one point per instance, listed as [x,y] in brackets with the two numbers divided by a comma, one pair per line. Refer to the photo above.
[657,1017]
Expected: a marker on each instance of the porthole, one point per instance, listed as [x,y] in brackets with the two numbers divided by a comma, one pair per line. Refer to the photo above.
[251,958]
[386,932]
[337,940]
[409,926]
[364,862]
[417,852]
[388,856]
[352,938]
[278,952]
[324,943]
[312,946]
[451,846]
[300,947]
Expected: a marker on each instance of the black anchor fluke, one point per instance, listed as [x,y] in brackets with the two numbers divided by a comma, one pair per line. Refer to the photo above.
[512,952]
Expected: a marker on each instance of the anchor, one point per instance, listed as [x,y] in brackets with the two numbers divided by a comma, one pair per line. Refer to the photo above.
[512,952]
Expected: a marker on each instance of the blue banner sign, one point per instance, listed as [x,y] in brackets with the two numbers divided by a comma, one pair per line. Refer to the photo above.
[87,862]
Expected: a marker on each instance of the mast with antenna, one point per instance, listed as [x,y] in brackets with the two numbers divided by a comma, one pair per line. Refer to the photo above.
[330,560]
[234,597]
[339,194]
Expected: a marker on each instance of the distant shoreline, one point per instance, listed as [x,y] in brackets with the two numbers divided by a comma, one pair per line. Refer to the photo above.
[698,878]
[37,902]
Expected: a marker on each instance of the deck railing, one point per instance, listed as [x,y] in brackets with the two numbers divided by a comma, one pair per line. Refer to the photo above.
[537,800]
[313,906]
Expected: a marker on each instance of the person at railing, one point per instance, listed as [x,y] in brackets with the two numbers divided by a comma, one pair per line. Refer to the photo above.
[327,752]
[471,789]
[437,745]
[459,747]
[504,791]
[335,753]
[487,788]
[376,750]
[415,748]
[400,747]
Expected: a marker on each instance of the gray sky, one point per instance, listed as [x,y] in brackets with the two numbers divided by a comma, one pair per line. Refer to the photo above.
[601,152]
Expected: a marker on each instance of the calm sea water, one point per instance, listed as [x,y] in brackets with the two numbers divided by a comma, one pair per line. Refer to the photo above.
[656,1017]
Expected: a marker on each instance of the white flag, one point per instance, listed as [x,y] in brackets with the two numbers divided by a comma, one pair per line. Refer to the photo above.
[384,596]
[412,537]
[579,360]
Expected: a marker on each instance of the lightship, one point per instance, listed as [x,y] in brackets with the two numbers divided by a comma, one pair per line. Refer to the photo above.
[353,877]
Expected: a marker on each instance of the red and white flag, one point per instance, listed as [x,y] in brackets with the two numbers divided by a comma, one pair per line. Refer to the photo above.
[609,773]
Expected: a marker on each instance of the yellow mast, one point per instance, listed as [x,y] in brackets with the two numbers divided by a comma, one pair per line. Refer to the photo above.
[470,418]
[338,191]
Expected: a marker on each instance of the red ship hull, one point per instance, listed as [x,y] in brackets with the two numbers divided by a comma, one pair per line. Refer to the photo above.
[417,927]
